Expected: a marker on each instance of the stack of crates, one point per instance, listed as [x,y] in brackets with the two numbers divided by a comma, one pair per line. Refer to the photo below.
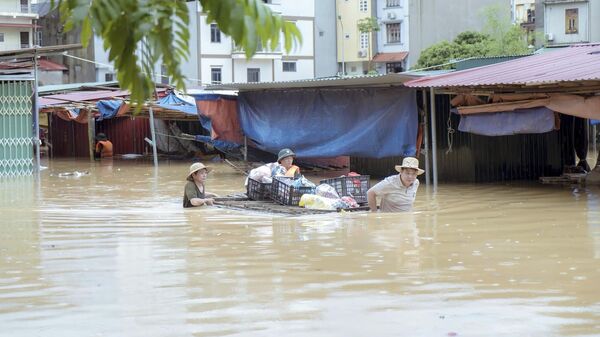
[257,190]
[352,186]
[283,192]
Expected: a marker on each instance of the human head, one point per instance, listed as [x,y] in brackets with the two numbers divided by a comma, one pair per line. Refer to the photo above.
[283,154]
[409,170]
[101,137]
[197,167]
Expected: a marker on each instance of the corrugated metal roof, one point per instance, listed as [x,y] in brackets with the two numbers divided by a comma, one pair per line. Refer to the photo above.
[323,82]
[573,64]
[390,57]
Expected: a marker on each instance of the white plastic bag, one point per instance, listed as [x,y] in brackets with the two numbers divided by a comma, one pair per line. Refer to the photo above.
[327,191]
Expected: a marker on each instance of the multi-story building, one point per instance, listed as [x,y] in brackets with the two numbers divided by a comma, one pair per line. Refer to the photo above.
[569,21]
[16,24]
[354,49]
[325,39]
[523,14]
[392,37]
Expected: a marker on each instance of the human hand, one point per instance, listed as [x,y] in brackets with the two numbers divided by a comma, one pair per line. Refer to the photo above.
[209,201]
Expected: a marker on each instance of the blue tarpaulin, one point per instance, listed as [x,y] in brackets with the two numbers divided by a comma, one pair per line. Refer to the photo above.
[370,122]
[108,108]
[535,120]
[173,102]
[594,121]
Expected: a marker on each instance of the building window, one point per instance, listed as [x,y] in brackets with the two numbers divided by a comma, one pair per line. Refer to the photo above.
[215,75]
[289,67]
[24,6]
[571,21]
[395,67]
[267,1]
[364,40]
[392,3]
[253,75]
[347,36]
[109,77]
[164,78]
[1,37]
[393,32]
[24,39]
[363,5]
[215,33]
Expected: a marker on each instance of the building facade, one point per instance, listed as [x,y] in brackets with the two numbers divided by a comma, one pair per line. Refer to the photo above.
[392,37]
[569,21]
[16,24]
[325,39]
[354,49]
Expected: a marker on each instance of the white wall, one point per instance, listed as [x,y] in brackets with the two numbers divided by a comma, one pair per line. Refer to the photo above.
[304,70]
[298,7]
[10,6]
[554,19]
[12,38]
[213,48]
[306,28]
[241,65]
[398,15]
[226,70]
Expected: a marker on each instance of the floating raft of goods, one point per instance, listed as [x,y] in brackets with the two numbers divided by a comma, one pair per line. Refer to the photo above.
[241,202]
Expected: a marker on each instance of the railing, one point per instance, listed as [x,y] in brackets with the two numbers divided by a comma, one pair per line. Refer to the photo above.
[259,49]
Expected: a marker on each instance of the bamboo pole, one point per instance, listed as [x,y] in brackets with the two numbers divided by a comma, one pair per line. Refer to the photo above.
[153,134]
[433,140]
[91,134]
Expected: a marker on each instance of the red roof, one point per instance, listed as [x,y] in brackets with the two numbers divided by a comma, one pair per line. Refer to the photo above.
[570,64]
[390,57]
[48,65]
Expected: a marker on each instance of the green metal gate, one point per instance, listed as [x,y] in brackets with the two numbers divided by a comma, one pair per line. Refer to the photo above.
[16,131]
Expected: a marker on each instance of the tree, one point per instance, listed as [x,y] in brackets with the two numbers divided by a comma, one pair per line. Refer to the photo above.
[158,30]
[499,37]
[368,26]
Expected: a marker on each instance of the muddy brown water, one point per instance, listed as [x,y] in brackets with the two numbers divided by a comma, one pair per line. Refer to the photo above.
[113,253]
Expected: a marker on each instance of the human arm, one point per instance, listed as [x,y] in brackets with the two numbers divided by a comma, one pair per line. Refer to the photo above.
[372,200]
[191,193]
[202,202]
[211,195]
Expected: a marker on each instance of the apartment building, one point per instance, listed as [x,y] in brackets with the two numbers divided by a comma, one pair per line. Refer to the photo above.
[569,21]
[392,37]
[353,47]
[16,24]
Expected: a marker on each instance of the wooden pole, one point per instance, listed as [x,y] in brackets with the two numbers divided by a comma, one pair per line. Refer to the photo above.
[153,134]
[433,140]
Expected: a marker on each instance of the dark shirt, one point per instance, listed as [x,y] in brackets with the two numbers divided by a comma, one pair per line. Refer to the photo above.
[191,191]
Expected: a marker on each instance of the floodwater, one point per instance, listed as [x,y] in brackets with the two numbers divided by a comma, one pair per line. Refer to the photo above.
[113,253]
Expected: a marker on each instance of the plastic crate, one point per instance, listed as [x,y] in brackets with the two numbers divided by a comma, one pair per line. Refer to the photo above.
[353,186]
[257,190]
[284,193]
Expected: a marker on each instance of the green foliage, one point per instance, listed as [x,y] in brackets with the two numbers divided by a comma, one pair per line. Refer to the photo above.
[368,25]
[158,30]
[500,37]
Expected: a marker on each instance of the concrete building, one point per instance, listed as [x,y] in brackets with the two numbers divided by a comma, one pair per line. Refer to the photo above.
[569,21]
[353,47]
[392,38]
[523,14]
[16,24]
[325,39]
[434,21]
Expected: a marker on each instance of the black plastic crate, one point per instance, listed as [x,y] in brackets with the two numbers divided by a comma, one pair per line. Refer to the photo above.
[257,190]
[353,186]
[284,193]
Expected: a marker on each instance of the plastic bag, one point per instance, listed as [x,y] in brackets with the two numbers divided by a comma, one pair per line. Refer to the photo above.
[312,201]
[327,191]
[263,173]
[350,202]
[303,182]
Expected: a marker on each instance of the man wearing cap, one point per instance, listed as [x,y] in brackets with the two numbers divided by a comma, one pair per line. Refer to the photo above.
[286,159]
[397,192]
[194,193]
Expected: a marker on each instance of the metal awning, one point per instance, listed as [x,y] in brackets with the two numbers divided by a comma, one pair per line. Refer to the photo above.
[390,57]
[386,80]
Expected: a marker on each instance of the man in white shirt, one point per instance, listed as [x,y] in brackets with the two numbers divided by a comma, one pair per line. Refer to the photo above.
[397,192]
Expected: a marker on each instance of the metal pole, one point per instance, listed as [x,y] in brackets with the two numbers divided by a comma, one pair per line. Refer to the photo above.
[426,138]
[91,134]
[36,114]
[433,140]
[343,37]
[153,134]
[245,148]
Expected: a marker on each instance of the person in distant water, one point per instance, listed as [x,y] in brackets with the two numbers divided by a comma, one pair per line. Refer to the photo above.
[397,192]
[104,148]
[286,159]
[194,193]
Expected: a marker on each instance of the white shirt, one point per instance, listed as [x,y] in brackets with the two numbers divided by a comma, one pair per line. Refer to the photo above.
[395,197]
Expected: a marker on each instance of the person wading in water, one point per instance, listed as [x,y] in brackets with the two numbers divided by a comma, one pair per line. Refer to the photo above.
[194,193]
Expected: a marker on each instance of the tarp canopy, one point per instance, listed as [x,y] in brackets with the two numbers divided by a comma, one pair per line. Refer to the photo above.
[221,111]
[520,121]
[108,108]
[373,122]
[174,102]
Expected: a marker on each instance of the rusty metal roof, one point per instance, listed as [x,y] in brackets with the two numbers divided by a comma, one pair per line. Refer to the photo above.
[390,57]
[576,63]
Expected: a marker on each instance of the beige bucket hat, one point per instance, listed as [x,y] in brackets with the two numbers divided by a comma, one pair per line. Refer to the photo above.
[411,163]
[197,167]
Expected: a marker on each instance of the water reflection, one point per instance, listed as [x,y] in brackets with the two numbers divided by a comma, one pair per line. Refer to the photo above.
[115,249]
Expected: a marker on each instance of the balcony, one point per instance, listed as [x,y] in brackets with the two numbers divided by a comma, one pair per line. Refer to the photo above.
[261,52]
